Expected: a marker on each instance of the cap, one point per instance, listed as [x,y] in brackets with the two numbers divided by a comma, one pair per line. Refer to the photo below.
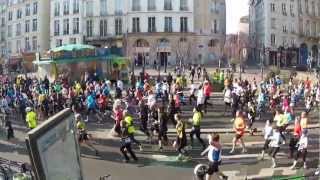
[28,109]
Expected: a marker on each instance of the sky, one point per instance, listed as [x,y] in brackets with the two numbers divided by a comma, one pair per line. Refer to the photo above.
[235,9]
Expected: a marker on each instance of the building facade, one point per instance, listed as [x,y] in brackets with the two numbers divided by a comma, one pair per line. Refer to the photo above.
[66,22]
[3,29]
[285,32]
[161,31]
[148,31]
[210,30]
[27,26]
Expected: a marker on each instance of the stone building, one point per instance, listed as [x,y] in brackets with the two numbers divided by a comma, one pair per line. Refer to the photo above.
[285,32]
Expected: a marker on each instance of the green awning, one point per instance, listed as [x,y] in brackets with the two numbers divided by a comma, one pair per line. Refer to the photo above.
[114,59]
[72,47]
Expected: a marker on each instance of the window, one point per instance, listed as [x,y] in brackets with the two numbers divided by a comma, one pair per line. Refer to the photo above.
[10,16]
[214,7]
[119,6]
[18,46]
[2,22]
[307,28]
[273,23]
[167,4]
[273,39]
[18,29]
[75,25]
[56,9]
[151,5]
[135,25]
[284,41]
[135,5]
[307,6]
[28,10]
[284,29]
[272,7]
[151,24]
[34,25]
[215,26]
[292,28]
[89,28]
[300,6]
[168,24]
[183,24]
[314,28]
[9,48]
[66,5]
[34,43]
[183,5]
[75,6]
[27,43]
[118,24]
[19,14]
[319,9]
[292,41]
[65,26]
[3,34]
[35,8]
[284,9]
[58,42]
[313,6]
[56,27]
[103,27]
[9,30]
[89,8]
[103,7]
[73,40]
[292,10]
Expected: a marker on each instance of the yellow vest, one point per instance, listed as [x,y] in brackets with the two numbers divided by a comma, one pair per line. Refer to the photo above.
[197,116]
[129,123]
[31,119]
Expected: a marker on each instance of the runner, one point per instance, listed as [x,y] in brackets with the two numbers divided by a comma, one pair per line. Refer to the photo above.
[302,150]
[196,129]
[275,145]
[214,151]
[239,128]
[126,141]
[267,134]
[130,128]
[162,121]
[181,140]
[296,136]
[83,136]
[31,118]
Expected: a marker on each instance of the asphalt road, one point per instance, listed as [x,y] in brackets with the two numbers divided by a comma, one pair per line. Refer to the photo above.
[155,165]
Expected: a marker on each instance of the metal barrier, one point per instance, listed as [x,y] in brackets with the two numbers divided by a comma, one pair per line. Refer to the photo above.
[14,170]
[106,177]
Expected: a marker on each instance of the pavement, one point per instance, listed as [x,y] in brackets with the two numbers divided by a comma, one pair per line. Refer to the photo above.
[156,165]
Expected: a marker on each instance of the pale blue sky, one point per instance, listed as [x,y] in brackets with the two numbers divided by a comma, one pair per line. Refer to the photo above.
[235,9]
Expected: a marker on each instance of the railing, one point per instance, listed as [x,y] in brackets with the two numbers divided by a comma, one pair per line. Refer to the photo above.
[14,170]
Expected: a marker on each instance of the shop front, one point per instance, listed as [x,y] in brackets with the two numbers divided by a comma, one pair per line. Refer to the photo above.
[81,63]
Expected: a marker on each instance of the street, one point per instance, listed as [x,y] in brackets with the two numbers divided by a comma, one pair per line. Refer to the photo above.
[157,165]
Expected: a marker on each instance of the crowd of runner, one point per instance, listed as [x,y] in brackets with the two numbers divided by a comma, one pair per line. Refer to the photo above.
[152,103]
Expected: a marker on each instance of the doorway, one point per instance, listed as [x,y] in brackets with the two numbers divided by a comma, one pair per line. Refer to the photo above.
[163,58]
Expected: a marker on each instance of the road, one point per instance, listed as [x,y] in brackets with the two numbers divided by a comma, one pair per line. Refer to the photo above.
[155,165]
